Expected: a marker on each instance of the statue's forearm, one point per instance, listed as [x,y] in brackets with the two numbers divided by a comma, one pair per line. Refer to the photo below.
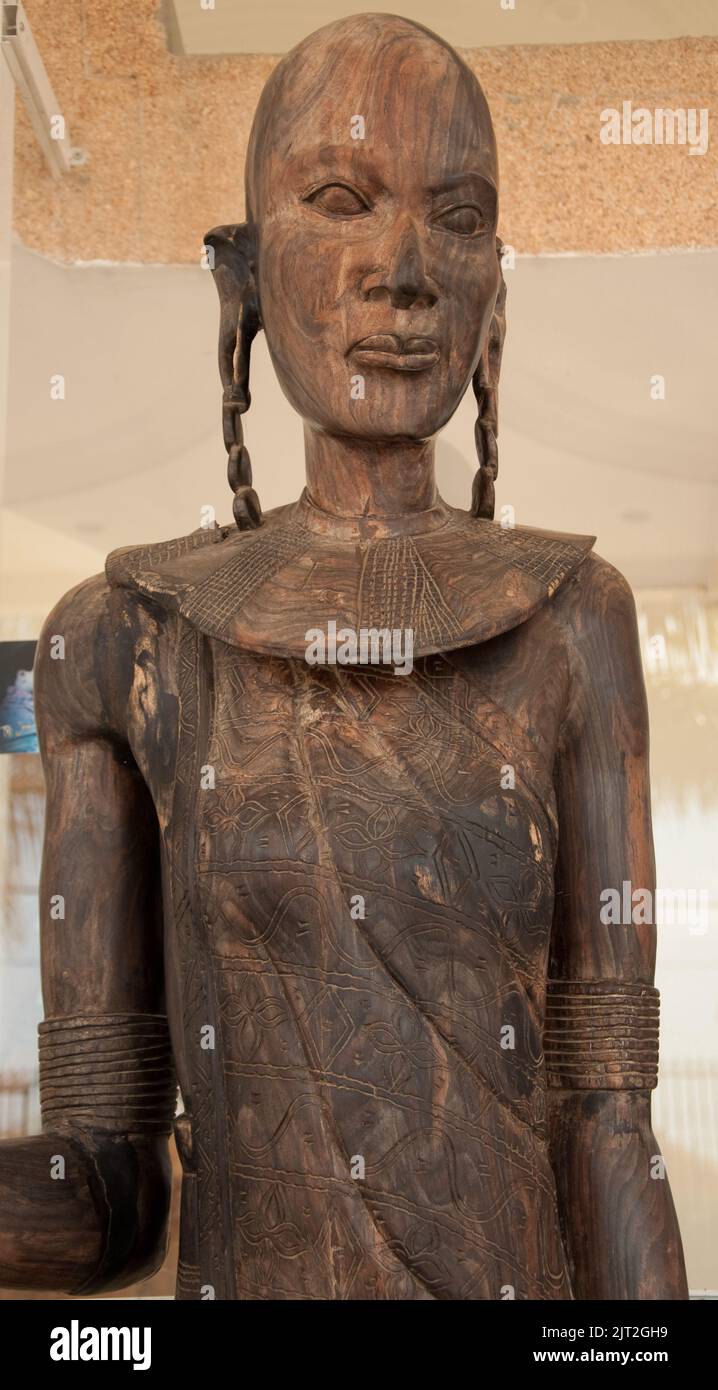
[617,1216]
[50,1229]
[84,1206]
[82,1214]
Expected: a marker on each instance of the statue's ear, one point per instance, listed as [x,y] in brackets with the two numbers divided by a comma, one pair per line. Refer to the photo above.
[231,258]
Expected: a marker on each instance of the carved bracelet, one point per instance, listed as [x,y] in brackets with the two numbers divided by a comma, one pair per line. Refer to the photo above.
[601,1035]
[107,1072]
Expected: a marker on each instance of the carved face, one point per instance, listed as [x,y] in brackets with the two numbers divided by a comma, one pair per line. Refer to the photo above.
[372,186]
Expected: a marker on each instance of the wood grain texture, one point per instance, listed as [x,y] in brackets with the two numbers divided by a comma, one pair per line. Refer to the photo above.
[104,1220]
[601,1035]
[449,578]
[619,1226]
[382,1037]
[113,1072]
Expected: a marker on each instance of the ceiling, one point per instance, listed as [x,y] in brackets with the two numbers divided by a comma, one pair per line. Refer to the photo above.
[164,136]
[274,27]
[134,450]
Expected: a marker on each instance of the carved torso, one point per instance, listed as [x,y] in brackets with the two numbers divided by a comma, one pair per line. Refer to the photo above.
[379,1037]
[360,896]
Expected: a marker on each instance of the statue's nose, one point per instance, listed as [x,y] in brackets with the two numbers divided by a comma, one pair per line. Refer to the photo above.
[402,280]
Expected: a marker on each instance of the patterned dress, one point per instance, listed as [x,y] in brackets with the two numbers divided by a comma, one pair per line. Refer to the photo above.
[359,871]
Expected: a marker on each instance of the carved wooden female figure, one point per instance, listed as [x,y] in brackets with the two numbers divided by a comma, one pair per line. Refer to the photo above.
[357,909]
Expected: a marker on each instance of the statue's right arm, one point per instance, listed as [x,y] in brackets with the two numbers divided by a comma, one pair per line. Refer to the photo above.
[84,1205]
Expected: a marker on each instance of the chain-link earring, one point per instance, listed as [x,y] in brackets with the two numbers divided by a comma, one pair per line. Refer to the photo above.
[230,249]
[485,383]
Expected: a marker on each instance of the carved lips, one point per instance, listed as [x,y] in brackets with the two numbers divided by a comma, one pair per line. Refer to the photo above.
[395,353]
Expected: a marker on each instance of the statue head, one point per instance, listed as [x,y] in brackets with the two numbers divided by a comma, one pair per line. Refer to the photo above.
[369,253]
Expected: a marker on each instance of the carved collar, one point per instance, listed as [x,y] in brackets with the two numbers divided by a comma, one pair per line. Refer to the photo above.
[451,579]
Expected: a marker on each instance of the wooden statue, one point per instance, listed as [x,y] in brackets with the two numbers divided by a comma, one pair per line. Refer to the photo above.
[350,889]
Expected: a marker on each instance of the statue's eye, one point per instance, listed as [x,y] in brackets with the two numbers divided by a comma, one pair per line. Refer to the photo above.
[465,220]
[337,200]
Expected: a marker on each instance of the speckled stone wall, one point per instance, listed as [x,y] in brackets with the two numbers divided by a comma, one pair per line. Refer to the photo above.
[166,138]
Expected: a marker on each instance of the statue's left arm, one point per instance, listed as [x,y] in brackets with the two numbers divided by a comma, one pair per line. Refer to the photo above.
[601,1031]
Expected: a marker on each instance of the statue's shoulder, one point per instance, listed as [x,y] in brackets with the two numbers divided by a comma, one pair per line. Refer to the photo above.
[548,558]
[78,663]
[133,564]
[597,595]
[597,613]
[166,569]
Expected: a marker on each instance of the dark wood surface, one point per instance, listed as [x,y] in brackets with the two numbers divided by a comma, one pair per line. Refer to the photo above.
[217,808]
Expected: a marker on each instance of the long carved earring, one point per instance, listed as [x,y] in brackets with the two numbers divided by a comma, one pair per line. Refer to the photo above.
[236,401]
[232,264]
[486,390]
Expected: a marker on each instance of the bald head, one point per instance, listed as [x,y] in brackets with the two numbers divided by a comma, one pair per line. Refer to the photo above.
[411,89]
[372,203]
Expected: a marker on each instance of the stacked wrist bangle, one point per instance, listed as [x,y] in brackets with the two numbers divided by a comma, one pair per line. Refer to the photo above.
[601,1035]
[109,1072]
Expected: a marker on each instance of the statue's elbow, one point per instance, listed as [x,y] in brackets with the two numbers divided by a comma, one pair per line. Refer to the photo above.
[132,1187]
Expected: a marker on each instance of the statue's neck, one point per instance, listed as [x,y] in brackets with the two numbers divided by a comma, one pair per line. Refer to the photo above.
[385,487]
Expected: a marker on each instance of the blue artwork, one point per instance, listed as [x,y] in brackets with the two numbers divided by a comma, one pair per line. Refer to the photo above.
[17,712]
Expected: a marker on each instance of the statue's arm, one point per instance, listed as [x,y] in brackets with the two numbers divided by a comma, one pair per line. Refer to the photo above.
[83,1207]
[600,1038]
